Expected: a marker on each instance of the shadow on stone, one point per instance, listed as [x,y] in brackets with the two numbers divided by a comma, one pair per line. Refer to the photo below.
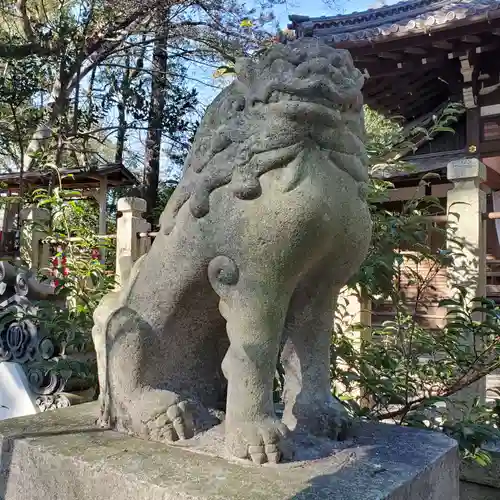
[5,463]
[389,462]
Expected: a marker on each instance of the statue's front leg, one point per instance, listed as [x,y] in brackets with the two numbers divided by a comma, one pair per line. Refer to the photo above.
[255,312]
[309,403]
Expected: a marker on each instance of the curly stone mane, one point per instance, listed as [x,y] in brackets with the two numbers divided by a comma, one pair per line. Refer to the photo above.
[296,96]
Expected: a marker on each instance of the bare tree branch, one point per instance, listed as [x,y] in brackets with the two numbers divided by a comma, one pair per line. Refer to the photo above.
[11,51]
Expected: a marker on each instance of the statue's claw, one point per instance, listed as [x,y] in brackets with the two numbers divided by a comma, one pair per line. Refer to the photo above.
[173,424]
[264,453]
[261,442]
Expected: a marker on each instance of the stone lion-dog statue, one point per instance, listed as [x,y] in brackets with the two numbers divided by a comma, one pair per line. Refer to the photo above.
[267,224]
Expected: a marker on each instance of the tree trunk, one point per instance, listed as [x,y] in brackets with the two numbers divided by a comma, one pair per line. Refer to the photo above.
[44,131]
[122,116]
[155,119]
[129,75]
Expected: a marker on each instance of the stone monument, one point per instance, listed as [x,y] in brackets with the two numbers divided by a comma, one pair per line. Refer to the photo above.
[267,224]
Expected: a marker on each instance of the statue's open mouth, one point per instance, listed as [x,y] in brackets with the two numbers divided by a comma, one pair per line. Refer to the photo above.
[318,92]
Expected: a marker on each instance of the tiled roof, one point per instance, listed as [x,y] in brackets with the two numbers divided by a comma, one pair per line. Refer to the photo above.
[404,18]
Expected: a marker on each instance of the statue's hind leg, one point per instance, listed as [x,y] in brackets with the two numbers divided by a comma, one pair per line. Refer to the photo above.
[255,312]
[131,406]
[309,404]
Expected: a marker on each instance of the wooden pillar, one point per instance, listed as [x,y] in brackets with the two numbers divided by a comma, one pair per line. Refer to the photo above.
[33,252]
[469,93]
[128,247]
[466,204]
[101,199]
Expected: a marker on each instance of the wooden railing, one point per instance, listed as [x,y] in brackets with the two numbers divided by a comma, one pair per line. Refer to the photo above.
[491,215]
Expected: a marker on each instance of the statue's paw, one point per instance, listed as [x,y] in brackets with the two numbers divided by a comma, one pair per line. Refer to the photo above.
[327,419]
[261,441]
[173,424]
[331,420]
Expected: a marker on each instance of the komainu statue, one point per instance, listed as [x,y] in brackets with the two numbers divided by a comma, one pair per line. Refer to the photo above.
[267,224]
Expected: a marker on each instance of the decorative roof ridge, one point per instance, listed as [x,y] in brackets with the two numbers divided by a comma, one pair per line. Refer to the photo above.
[404,6]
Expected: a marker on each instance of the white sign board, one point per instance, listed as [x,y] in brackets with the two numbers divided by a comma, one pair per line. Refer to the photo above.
[16,399]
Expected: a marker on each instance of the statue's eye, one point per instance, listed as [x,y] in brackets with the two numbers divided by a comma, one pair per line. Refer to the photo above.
[239,104]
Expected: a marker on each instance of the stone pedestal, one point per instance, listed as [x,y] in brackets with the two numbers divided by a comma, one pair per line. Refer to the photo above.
[34,223]
[128,244]
[466,203]
[356,322]
[60,455]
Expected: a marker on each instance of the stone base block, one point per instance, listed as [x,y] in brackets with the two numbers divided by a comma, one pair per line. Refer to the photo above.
[61,455]
[481,483]
[472,491]
[487,476]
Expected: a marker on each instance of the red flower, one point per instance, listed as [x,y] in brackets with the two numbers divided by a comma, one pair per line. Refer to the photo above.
[65,271]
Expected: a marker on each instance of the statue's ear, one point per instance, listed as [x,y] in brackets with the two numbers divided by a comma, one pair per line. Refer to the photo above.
[241,65]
